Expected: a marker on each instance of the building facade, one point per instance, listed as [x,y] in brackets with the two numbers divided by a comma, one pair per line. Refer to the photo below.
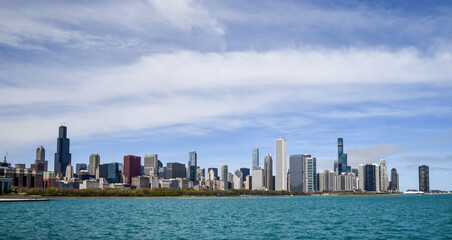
[151,165]
[255,162]
[310,174]
[192,165]
[132,167]
[296,166]
[268,168]
[94,162]
[424,178]
[394,183]
[280,164]
[175,170]
[63,155]
[384,181]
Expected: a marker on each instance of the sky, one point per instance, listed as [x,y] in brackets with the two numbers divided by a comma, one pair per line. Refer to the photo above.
[224,77]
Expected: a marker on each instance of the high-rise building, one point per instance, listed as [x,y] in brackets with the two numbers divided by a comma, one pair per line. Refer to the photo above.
[175,170]
[384,184]
[394,184]
[132,167]
[40,162]
[246,172]
[94,162]
[192,165]
[280,164]
[268,167]
[342,166]
[224,177]
[362,177]
[258,178]
[80,166]
[310,174]
[238,179]
[424,178]
[296,172]
[255,158]
[371,175]
[215,170]
[62,156]
[69,172]
[151,165]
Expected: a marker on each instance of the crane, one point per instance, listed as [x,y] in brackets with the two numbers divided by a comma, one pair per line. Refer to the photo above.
[4,159]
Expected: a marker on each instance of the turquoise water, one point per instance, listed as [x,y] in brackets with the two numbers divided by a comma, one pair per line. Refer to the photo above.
[325,217]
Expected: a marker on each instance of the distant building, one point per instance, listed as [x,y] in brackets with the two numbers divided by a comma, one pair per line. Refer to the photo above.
[192,165]
[370,174]
[94,162]
[255,162]
[83,175]
[296,166]
[238,179]
[424,178]
[80,166]
[40,162]
[69,172]
[310,174]
[132,167]
[246,172]
[215,173]
[258,178]
[162,172]
[175,170]
[169,183]
[151,165]
[224,177]
[384,183]
[394,183]
[268,168]
[5,185]
[280,164]
[140,182]
[63,155]
[342,165]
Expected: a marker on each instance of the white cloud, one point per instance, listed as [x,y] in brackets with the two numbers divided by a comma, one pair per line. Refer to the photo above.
[372,154]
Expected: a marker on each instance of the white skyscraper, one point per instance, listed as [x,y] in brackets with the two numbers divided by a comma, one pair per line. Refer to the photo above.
[151,165]
[280,164]
[361,177]
[238,179]
[258,178]
[383,176]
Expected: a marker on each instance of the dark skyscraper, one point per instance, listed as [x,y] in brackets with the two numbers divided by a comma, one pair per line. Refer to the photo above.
[132,167]
[245,172]
[62,156]
[424,183]
[268,168]
[394,185]
[342,166]
[296,165]
[371,178]
[175,170]
[192,166]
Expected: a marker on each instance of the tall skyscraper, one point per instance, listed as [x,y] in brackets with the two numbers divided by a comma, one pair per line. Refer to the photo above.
[62,156]
[258,178]
[424,178]
[371,176]
[132,167]
[94,162]
[191,167]
[151,165]
[268,167]
[384,184]
[310,174]
[69,172]
[394,184]
[255,158]
[238,179]
[40,162]
[280,164]
[362,177]
[224,177]
[342,166]
[296,172]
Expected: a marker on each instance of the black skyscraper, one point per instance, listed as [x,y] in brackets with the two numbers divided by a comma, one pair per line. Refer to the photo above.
[62,156]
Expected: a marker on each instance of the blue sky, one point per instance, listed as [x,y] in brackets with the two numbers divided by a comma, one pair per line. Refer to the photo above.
[223,77]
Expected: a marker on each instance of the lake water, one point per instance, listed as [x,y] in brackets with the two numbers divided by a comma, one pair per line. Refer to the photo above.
[323,217]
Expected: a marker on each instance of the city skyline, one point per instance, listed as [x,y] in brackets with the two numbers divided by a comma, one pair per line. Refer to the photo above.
[223,78]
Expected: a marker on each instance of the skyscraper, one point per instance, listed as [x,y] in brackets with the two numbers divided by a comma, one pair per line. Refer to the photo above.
[80,166]
[191,167]
[255,158]
[238,179]
[69,172]
[132,167]
[151,165]
[280,164]
[296,172]
[258,178]
[246,172]
[424,178]
[371,175]
[62,156]
[40,162]
[342,166]
[215,171]
[384,185]
[394,184]
[94,162]
[310,174]
[224,177]
[175,170]
[268,167]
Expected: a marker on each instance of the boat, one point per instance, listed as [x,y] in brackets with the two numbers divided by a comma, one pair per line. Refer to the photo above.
[413,192]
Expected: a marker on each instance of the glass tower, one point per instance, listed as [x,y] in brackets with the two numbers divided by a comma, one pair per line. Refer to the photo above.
[255,158]
[192,165]
[62,156]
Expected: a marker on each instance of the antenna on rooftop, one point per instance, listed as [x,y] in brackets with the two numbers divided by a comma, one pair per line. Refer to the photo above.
[4,159]
[63,120]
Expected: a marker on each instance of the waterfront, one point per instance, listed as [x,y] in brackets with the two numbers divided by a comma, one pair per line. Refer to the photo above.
[358,217]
